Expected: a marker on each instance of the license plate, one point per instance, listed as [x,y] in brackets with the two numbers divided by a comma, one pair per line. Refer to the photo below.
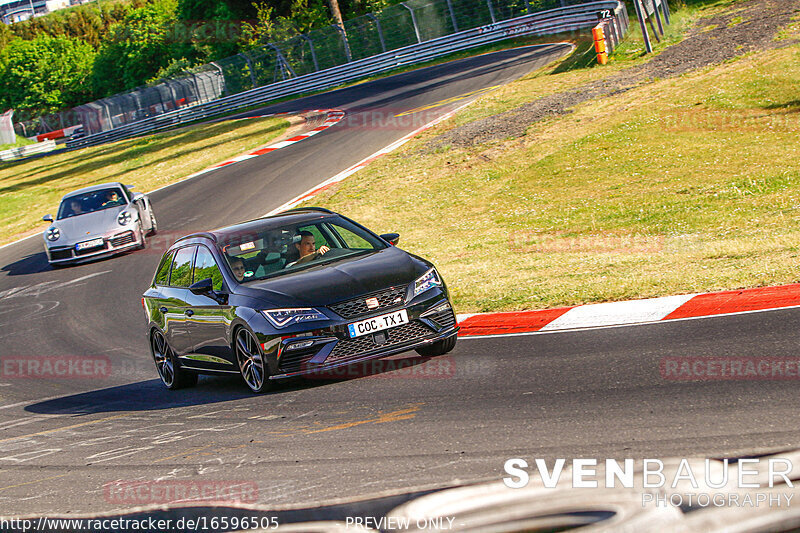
[378,323]
[85,245]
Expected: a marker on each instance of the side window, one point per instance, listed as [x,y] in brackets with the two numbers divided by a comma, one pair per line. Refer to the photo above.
[352,240]
[206,267]
[162,274]
[182,267]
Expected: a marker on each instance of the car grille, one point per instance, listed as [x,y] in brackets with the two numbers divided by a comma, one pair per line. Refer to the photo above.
[358,306]
[362,346]
[92,250]
[444,319]
[61,254]
[122,239]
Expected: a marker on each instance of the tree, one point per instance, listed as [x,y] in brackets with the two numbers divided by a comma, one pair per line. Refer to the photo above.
[45,74]
[138,48]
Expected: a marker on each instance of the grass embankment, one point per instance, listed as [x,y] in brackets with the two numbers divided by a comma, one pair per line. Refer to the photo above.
[29,189]
[21,141]
[681,185]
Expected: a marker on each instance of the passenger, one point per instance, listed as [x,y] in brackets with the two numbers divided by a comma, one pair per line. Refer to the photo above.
[237,266]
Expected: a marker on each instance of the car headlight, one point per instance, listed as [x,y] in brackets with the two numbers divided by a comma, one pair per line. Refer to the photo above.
[428,280]
[53,234]
[124,218]
[281,318]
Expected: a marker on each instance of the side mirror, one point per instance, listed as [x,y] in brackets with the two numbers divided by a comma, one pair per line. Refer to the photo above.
[204,286]
[131,186]
[391,238]
[47,218]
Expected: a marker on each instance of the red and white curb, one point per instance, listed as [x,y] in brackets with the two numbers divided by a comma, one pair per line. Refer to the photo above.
[631,312]
[364,162]
[333,117]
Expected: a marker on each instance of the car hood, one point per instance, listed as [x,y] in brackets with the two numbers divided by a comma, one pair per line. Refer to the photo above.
[82,227]
[341,280]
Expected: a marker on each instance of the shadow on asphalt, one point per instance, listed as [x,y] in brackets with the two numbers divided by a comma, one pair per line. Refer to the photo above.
[151,395]
[31,264]
[36,263]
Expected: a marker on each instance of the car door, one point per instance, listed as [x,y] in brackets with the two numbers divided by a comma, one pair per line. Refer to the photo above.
[210,317]
[175,298]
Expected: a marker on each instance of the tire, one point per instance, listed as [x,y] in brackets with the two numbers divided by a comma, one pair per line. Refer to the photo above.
[153,225]
[169,370]
[438,348]
[252,367]
[143,242]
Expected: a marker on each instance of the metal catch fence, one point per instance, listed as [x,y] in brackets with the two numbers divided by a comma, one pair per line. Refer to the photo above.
[406,33]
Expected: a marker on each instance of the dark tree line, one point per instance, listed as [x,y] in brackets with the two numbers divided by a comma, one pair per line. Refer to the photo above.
[94,50]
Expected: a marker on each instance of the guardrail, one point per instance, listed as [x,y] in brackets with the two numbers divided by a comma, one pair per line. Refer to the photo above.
[560,20]
[30,149]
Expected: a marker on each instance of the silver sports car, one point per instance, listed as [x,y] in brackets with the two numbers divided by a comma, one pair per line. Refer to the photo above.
[99,220]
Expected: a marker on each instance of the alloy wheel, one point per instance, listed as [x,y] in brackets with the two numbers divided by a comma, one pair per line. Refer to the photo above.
[162,355]
[251,362]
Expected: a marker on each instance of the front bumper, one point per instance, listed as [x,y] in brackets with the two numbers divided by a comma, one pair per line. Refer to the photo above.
[326,367]
[113,243]
[431,319]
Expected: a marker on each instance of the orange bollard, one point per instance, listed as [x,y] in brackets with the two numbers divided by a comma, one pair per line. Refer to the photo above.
[600,44]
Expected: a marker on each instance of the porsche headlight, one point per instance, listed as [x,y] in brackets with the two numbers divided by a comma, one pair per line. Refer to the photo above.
[124,218]
[428,280]
[53,234]
[281,318]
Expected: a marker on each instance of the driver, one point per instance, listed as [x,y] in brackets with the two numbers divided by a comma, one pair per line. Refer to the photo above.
[75,207]
[112,198]
[307,248]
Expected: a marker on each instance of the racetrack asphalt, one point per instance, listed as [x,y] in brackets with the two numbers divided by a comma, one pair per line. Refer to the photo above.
[410,422]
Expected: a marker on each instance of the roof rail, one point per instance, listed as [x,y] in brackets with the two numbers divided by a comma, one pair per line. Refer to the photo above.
[198,234]
[320,209]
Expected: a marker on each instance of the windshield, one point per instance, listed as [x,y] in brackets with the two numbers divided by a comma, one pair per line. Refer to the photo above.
[80,204]
[277,251]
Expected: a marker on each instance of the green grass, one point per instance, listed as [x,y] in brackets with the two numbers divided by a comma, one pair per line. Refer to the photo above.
[31,188]
[683,185]
[21,141]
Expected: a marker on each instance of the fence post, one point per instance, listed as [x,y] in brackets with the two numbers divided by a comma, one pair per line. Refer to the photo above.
[665,10]
[377,22]
[658,17]
[307,39]
[453,15]
[344,40]
[282,63]
[250,69]
[639,15]
[221,75]
[491,11]
[413,21]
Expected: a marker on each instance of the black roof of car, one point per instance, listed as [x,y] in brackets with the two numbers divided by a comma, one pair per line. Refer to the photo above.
[293,216]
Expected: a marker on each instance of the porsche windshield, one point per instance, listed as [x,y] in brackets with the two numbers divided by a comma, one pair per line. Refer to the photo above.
[80,204]
[256,254]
